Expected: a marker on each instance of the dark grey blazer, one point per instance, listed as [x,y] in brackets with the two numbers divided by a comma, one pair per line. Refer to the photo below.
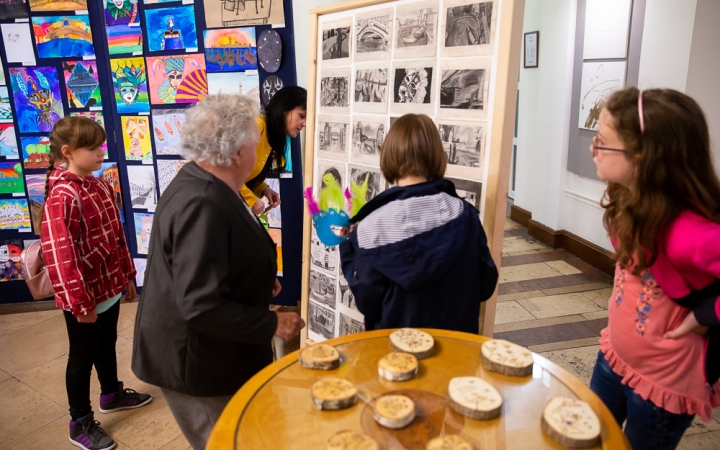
[203,326]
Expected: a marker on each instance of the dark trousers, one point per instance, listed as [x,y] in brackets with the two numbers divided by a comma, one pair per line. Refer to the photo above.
[91,344]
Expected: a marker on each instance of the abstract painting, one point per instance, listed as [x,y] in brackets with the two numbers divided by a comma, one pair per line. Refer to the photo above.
[242,83]
[109,172]
[321,322]
[468,28]
[13,9]
[36,196]
[367,138]
[371,89]
[11,178]
[122,23]
[470,191]
[276,236]
[18,43]
[81,82]
[269,50]
[234,13]
[143,227]
[10,268]
[274,216]
[57,5]
[599,80]
[36,91]
[270,86]
[416,29]
[143,188]
[334,137]
[130,83]
[8,142]
[63,36]
[412,88]
[171,28]
[136,136]
[323,288]
[607,27]
[167,125]
[376,182]
[230,49]
[36,152]
[463,144]
[167,170]
[177,79]
[14,214]
[6,115]
[373,32]
[335,91]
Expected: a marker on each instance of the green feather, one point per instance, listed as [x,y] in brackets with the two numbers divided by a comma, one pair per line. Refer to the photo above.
[359,195]
[331,196]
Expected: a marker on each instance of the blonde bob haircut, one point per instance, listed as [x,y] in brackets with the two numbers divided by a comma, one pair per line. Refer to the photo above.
[412,148]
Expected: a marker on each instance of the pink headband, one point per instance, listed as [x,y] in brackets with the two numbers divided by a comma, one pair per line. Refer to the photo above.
[640,112]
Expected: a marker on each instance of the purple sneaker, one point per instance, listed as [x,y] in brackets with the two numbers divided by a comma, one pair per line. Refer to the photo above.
[123,399]
[87,434]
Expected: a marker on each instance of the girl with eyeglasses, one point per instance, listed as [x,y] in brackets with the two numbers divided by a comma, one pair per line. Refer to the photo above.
[659,358]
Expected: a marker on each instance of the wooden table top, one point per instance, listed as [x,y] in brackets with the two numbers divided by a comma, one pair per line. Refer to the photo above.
[273,410]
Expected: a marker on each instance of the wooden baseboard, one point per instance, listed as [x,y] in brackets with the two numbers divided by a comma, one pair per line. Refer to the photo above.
[583,249]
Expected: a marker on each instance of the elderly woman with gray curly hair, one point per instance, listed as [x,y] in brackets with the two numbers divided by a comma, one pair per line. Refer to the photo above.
[204,327]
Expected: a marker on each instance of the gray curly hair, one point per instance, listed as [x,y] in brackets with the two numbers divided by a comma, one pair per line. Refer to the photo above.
[217,127]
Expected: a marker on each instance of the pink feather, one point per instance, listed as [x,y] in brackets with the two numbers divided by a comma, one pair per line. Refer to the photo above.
[312,204]
[348,197]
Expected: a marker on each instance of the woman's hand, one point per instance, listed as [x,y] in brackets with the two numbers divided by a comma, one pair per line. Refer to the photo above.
[90,317]
[688,325]
[130,292]
[272,196]
[258,208]
[277,288]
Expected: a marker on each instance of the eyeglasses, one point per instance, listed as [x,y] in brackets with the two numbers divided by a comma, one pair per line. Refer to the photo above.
[595,147]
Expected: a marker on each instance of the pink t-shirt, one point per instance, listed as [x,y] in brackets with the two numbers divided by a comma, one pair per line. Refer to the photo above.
[668,372]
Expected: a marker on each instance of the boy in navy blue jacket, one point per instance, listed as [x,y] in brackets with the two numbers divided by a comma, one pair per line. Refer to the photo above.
[418,256]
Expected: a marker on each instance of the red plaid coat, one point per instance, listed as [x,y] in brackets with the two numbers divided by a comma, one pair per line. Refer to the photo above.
[87,257]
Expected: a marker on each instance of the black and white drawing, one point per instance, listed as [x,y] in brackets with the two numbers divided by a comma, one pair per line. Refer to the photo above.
[270,86]
[371,90]
[468,28]
[334,134]
[376,182]
[322,321]
[463,144]
[372,35]
[323,257]
[470,191]
[599,80]
[462,89]
[335,91]
[367,138]
[336,43]
[143,190]
[348,325]
[229,13]
[416,30]
[412,86]
[336,169]
[167,170]
[347,298]
[323,288]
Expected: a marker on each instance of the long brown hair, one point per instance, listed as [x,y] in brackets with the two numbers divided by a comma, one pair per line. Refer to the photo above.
[674,171]
[75,132]
[412,147]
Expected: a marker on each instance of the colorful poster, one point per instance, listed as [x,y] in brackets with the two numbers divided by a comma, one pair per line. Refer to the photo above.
[82,84]
[57,5]
[177,79]
[6,115]
[276,235]
[96,116]
[18,43]
[230,49]
[11,178]
[63,36]
[2,74]
[36,92]
[130,82]
[14,214]
[167,170]
[143,227]
[13,9]
[35,152]
[167,124]
[109,172]
[10,251]
[242,83]
[136,137]
[171,28]
[122,23]
[8,142]
[274,218]
[36,195]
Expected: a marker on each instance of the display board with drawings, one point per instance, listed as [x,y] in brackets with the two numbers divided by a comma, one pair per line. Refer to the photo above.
[375,61]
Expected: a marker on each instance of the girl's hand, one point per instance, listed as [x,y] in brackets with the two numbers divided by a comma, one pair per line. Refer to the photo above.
[258,207]
[272,196]
[90,317]
[688,325]
[130,292]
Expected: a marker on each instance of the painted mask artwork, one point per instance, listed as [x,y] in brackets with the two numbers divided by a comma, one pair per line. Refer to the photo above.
[270,87]
[129,79]
[36,92]
[122,22]
[177,79]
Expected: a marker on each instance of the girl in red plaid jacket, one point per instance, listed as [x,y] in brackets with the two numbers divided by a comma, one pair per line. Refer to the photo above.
[89,264]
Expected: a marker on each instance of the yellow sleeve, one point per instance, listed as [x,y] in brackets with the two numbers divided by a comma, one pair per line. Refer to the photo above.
[261,152]
[248,195]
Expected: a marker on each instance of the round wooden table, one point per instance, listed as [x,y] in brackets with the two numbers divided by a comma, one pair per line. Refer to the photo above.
[274,410]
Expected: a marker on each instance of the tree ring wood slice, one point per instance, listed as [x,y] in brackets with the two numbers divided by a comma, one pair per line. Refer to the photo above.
[333,393]
[449,442]
[507,358]
[398,366]
[319,356]
[474,397]
[394,411]
[571,422]
[409,340]
[351,440]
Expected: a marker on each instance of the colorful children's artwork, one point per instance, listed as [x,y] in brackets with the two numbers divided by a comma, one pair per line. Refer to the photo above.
[18,43]
[6,115]
[2,75]
[136,136]
[57,5]
[143,227]
[36,195]
[269,49]
[36,152]
[13,9]
[36,91]
[143,187]
[274,218]
[11,178]
[96,116]
[10,268]
[167,125]
[81,82]
[276,235]
[177,79]
[242,83]
[109,172]
[63,36]
[122,22]
[14,214]
[167,170]
[8,142]
[130,81]
[230,49]
[171,28]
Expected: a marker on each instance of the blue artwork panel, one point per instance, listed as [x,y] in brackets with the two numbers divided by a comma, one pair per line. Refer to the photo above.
[171,28]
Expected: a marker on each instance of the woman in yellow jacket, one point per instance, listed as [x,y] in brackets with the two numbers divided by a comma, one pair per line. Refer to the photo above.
[284,118]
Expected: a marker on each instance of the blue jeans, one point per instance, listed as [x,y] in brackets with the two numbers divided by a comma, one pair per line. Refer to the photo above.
[648,426]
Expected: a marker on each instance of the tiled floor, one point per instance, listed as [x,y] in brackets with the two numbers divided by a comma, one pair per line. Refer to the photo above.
[550,301]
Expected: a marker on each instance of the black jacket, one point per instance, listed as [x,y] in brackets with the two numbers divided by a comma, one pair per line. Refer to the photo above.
[203,326]
[419,258]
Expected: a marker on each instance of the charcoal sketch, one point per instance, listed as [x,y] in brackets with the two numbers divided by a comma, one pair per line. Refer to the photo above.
[376,182]
[412,88]
[371,90]
[334,168]
[464,88]
[335,91]
[348,325]
[347,298]
[463,144]
[333,137]
[599,80]
[323,257]
[336,43]
[416,30]
[143,190]
[372,35]
[322,288]
[322,321]
[367,138]
[468,28]
[468,190]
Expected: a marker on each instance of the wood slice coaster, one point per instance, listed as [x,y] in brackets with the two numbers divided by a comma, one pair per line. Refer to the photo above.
[394,411]
[398,366]
[505,357]
[409,340]
[449,442]
[474,397]
[319,356]
[571,422]
[333,393]
[351,440]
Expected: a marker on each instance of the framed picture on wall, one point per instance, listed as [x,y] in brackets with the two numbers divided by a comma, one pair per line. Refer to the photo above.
[532,42]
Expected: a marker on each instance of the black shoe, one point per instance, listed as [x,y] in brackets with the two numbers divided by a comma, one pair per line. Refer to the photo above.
[87,434]
[123,399]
